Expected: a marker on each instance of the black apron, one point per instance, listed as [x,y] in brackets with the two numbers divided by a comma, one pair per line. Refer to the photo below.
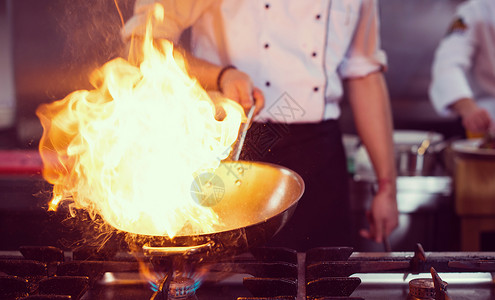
[315,152]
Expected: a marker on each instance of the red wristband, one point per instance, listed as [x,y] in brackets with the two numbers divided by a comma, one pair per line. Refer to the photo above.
[383,183]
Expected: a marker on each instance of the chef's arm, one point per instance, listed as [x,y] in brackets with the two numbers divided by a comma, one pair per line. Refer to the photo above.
[205,72]
[233,83]
[372,113]
[450,89]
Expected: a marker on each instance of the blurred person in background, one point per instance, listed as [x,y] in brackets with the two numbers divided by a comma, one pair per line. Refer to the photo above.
[463,74]
[294,59]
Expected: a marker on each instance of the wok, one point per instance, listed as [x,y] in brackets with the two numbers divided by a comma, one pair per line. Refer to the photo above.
[258,200]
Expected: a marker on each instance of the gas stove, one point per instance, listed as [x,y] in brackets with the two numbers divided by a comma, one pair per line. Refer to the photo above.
[264,273]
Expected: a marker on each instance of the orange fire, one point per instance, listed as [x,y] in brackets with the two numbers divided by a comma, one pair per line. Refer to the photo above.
[130,149]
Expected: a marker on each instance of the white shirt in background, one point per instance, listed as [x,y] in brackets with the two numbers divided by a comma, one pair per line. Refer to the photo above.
[464,64]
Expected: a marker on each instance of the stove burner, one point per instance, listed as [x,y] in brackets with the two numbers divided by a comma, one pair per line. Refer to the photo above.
[421,288]
[428,288]
[182,288]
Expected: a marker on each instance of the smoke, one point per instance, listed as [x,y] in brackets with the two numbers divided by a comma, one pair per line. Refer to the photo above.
[82,35]
[91,29]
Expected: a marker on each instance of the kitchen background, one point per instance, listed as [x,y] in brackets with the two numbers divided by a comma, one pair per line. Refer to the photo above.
[48,48]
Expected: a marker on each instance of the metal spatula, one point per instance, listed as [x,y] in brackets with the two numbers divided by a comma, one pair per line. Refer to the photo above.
[236,151]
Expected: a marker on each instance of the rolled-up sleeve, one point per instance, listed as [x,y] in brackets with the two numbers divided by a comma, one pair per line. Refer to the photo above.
[364,55]
[178,16]
[451,65]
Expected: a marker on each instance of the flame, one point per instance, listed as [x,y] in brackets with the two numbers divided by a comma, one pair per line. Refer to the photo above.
[156,275]
[129,149]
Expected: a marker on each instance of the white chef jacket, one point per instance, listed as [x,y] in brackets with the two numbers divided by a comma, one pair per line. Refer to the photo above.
[464,64]
[295,51]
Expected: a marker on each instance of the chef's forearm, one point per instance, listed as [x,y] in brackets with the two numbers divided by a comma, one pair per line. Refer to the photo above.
[464,106]
[371,107]
[205,72]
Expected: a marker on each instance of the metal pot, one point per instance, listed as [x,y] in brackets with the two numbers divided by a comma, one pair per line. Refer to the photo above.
[258,201]
[417,152]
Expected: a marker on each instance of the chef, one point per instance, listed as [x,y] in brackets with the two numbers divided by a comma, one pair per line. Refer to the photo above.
[294,59]
[463,80]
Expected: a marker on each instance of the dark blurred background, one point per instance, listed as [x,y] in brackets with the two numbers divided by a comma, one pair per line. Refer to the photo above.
[48,49]
[54,45]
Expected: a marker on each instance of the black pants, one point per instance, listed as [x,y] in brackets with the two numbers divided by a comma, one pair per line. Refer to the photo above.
[314,151]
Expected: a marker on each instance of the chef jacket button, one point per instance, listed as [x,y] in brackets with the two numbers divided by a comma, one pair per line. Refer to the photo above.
[267,46]
[267,83]
[313,54]
[267,6]
[316,89]
[318,16]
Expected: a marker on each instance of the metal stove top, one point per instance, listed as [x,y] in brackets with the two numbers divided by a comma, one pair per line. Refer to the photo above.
[266,273]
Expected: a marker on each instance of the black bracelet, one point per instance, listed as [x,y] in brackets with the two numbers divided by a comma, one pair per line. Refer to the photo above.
[222,71]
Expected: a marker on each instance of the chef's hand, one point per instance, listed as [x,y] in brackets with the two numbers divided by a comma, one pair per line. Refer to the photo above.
[383,217]
[474,118]
[237,85]
[477,120]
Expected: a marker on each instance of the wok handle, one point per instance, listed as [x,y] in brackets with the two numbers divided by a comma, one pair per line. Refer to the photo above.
[182,250]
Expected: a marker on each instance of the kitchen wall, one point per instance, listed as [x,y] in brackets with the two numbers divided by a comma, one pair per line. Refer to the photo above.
[411,31]
[56,44]
[7,98]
